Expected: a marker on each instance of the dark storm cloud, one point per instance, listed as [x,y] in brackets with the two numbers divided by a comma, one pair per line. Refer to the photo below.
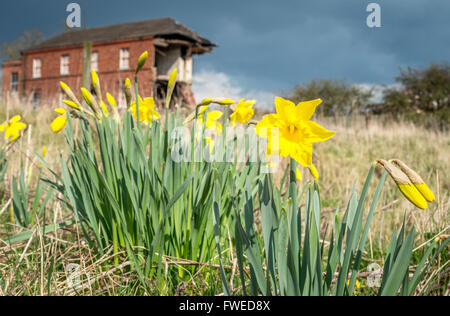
[275,44]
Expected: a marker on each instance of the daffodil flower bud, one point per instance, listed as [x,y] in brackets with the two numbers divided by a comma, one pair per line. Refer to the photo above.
[224,102]
[58,124]
[60,111]
[87,96]
[127,90]
[104,108]
[95,80]
[142,60]
[69,93]
[404,184]
[111,100]
[71,104]
[314,172]
[173,78]
[416,180]
[206,101]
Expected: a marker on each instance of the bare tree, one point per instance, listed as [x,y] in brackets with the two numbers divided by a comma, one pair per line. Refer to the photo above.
[27,39]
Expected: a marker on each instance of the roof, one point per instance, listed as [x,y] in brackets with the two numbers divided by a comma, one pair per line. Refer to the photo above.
[163,27]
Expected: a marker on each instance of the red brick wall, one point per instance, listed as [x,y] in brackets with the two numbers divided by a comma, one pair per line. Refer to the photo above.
[108,62]
[9,67]
[112,78]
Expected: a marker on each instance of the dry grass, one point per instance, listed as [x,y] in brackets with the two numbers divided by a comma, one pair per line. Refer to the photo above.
[356,145]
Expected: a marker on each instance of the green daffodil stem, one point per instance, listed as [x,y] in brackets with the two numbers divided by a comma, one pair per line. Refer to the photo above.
[293,184]
[224,144]
[191,189]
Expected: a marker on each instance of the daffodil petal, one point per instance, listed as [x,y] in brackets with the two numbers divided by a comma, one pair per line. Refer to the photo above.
[15,119]
[266,123]
[214,115]
[305,110]
[318,133]
[285,109]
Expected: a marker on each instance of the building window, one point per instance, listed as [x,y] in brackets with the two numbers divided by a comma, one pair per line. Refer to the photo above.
[65,61]
[124,59]
[36,99]
[37,68]
[15,82]
[94,61]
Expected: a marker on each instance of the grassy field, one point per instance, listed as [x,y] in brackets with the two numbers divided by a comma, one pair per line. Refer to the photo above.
[42,265]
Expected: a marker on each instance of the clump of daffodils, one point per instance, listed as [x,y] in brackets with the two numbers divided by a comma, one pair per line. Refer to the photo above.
[409,182]
[142,109]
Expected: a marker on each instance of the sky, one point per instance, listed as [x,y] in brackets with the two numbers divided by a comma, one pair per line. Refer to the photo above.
[268,47]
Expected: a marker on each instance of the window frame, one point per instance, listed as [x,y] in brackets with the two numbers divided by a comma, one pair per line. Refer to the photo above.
[124,58]
[94,53]
[37,68]
[14,83]
[64,66]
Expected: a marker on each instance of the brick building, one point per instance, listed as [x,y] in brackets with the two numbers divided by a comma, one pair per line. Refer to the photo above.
[114,54]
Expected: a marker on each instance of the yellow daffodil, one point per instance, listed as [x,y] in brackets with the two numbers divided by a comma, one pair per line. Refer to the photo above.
[416,180]
[44,151]
[297,132]
[147,112]
[211,121]
[12,128]
[244,112]
[404,184]
[58,124]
